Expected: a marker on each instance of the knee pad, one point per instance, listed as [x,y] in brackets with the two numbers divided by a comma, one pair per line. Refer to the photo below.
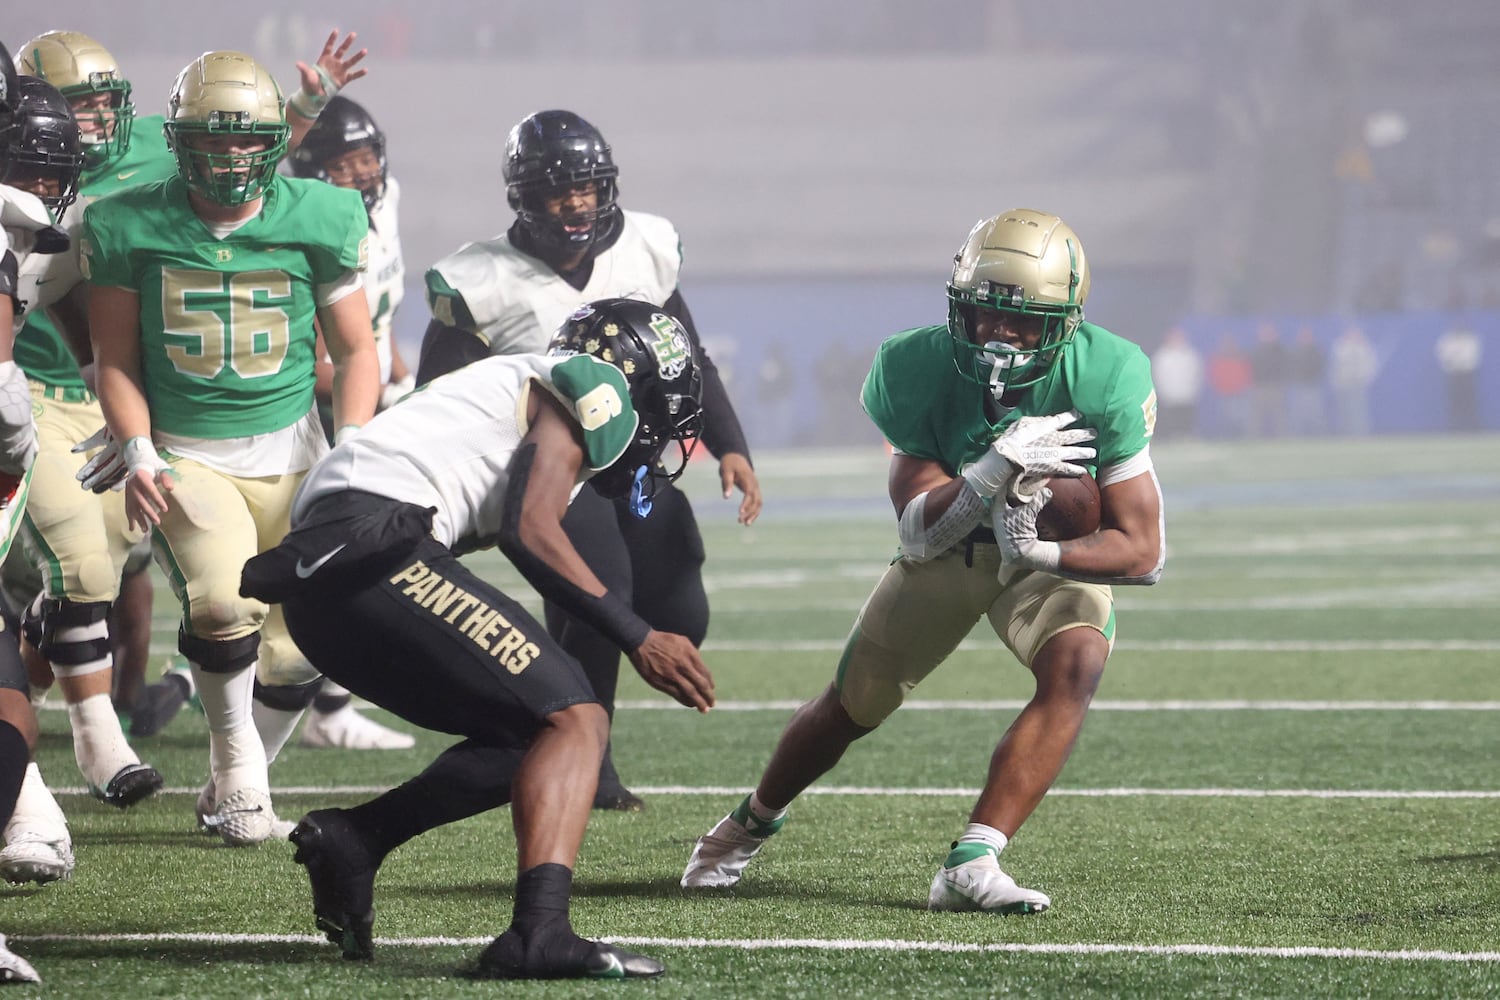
[220,656]
[288,697]
[75,636]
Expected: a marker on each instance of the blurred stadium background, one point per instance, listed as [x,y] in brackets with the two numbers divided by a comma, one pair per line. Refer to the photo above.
[1307,163]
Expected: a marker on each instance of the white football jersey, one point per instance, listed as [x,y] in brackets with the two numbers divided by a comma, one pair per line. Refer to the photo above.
[517,302]
[385,280]
[42,279]
[449,445]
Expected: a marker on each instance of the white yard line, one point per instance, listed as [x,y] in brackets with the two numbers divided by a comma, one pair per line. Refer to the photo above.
[825,944]
[878,791]
[1105,705]
[1161,645]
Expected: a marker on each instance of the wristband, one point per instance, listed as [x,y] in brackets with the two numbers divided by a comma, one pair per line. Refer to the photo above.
[344,433]
[309,106]
[140,453]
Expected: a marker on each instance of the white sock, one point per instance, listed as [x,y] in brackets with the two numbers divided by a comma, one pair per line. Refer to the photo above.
[98,742]
[978,833]
[763,812]
[275,726]
[36,809]
[236,755]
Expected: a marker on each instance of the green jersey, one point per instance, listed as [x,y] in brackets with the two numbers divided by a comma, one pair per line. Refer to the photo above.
[226,325]
[926,408]
[39,348]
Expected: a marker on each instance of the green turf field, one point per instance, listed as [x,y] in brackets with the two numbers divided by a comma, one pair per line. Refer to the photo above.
[1289,784]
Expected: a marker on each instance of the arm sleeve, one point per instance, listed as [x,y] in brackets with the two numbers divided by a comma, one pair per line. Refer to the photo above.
[721,426]
[8,280]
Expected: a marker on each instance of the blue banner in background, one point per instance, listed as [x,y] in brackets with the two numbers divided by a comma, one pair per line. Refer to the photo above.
[1409,393]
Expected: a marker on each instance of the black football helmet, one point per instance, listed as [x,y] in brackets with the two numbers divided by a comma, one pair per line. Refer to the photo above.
[8,92]
[666,390]
[342,127]
[44,141]
[552,149]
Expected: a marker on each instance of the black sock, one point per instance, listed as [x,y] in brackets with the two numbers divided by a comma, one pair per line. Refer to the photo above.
[14,756]
[466,779]
[542,895]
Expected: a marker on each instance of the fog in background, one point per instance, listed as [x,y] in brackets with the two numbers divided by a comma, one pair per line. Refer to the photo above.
[1309,162]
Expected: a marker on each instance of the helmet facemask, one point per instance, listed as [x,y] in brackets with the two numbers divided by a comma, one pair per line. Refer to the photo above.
[229,178]
[113,124]
[1025,264]
[567,234]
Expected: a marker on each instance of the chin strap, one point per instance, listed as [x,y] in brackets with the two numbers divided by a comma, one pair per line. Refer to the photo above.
[640,504]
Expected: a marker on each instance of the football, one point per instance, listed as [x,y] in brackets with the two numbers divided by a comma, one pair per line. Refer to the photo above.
[1073,511]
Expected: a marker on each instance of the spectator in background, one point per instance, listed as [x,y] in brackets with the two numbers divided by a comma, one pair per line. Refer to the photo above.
[1230,377]
[1177,370]
[1305,369]
[1458,353]
[1355,366]
[1268,367]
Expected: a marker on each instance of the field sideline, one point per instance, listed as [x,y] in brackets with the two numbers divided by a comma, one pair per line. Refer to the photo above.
[1287,787]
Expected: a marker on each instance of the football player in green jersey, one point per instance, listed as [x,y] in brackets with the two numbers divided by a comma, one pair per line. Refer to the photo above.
[978,414]
[79,536]
[205,288]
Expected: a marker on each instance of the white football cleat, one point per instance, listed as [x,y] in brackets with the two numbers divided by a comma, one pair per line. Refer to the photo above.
[233,823]
[36,856]
[14,968]
[971,880]
[720,856]
[346,729]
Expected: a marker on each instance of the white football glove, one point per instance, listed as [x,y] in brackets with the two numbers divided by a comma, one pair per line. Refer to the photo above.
[1015,533]
[106,470]
[17,429]
[1033,447]
[393,392]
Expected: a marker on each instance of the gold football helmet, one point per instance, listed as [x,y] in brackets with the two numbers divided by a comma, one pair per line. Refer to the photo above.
[80,68]
[226,94]
[1024,262]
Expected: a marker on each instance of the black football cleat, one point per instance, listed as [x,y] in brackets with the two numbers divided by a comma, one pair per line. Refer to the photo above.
[561,957]
[618,798]
[156,706]
[342,874]
[131,784]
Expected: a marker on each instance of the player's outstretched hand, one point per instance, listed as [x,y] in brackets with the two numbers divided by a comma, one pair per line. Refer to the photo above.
[670,663]
[735,472]
[334,70]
